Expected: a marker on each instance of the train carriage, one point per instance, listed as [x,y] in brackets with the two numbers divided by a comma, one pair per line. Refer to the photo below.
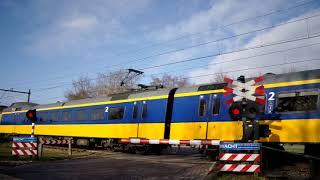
[119,116]
[291,112]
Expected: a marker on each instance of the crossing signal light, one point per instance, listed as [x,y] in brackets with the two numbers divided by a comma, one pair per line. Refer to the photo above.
[32,115]
[235,111]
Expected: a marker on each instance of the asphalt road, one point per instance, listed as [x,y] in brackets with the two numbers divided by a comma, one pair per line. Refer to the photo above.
[114,166]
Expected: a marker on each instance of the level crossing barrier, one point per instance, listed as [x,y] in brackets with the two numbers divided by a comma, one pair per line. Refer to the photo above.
[24,146]
[240,157]
[44,141]
[169,141]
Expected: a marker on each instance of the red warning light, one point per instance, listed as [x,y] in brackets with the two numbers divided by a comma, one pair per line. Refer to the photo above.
[236,111]
[30,115]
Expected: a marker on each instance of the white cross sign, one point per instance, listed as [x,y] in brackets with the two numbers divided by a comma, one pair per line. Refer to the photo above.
[244,90]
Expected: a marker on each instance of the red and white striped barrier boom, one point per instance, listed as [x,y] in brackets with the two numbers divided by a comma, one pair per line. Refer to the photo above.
[169,141]
[24,152]
[24,145]
[53,141]
[239,157]
[253,168]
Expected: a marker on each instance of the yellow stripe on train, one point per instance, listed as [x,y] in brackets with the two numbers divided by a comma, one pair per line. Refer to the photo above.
[293,130]
[79,130]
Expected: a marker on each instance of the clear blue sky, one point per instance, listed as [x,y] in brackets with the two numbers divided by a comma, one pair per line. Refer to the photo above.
[45,44]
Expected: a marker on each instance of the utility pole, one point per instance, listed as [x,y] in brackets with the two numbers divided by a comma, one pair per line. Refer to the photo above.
[21,92]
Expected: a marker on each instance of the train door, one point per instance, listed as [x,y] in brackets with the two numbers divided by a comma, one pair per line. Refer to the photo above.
[168,117]
[203,117]
[119,121]
[213,113]
[214,107]
[136,114]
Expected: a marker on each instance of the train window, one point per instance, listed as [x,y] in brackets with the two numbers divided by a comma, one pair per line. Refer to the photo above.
[16,117]
[19,117]
[297,101]
[116,113]
[202,107]
[81,115]
[216,105]
[98,114]
[54,116]
[66,115]
[43,116]
[144,109]
[135,111]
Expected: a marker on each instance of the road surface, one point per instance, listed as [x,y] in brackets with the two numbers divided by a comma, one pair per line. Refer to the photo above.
[110,165]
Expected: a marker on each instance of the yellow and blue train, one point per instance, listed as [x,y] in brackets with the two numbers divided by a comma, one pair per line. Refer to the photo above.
[197,112]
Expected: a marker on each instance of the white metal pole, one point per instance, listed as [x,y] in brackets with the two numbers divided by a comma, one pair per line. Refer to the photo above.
[32,131]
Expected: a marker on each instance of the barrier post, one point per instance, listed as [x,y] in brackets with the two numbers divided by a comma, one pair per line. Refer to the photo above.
[32,129]
[69,147]
[40,148]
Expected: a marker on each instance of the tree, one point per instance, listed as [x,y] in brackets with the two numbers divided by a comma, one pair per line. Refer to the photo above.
[104,85]
[289,69]
[81,88]
[219,77]
[170,81]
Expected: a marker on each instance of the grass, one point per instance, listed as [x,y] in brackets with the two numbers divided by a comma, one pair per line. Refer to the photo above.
[50,153]
[295,148]
[47,154]
[5,151]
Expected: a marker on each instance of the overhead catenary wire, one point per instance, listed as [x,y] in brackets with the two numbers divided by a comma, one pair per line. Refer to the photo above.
[191,60]
[253,68]
[222,26]
[244,69]
[214,41]
[212,55]
[242,58]
[222,53]
[229,52]
[217,40]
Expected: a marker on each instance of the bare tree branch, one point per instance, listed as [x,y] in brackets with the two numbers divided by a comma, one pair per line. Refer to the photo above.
[170,81]
[104,85]
[81,88]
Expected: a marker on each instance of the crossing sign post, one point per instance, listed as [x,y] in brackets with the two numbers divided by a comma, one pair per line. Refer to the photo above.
[244,103]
